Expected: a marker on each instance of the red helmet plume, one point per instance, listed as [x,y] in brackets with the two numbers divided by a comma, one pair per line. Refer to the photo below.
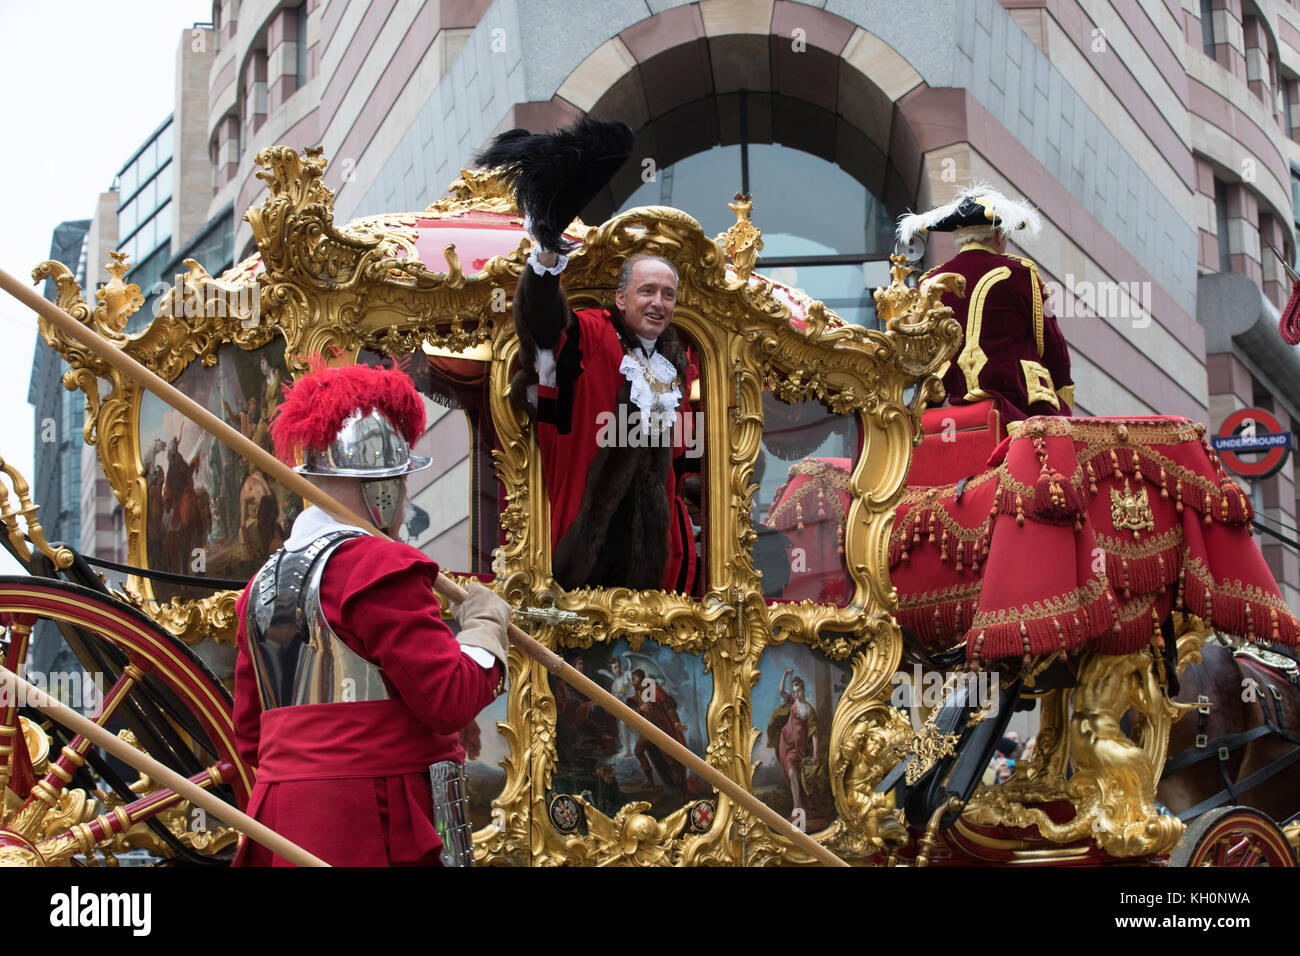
[316,406]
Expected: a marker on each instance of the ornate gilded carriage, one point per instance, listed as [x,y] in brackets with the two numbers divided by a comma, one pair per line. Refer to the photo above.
[808,429]
[432,290]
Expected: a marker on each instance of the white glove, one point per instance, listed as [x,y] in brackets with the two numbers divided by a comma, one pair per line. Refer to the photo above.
[483,619]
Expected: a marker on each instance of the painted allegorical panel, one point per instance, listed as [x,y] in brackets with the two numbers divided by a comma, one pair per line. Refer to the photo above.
[793,704]
[208,510]
[608,763]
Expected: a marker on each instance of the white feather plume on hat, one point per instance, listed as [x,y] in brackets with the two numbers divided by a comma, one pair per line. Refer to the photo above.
[1009,215]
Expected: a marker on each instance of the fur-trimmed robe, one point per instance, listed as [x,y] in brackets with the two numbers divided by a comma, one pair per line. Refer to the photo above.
[617,519]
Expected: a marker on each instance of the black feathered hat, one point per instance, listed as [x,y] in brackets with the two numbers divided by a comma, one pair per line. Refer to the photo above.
[554,175]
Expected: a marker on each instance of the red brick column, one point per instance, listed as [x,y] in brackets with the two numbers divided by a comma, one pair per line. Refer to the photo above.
[255,91]
[1229,47]
[1243,231]
[1258,69]
[282,58]
[226,158]
[1271,234]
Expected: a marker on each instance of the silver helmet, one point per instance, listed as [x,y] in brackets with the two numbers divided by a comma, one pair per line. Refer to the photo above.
[368,447]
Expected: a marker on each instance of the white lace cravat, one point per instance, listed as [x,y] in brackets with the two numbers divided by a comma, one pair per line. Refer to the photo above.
[655,389]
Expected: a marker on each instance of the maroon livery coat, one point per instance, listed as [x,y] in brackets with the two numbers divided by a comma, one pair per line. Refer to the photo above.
[1013,350]
[349,781]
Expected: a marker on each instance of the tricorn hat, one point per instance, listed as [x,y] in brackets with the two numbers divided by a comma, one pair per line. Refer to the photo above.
[977,205]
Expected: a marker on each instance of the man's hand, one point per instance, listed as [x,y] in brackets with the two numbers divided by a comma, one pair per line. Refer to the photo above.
[484,619]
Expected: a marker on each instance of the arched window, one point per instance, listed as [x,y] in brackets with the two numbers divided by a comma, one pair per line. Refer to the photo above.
[823,231]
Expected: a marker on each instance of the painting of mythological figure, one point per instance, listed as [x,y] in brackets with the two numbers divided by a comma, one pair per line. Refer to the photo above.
[798,693]
[608,763]
[208,510]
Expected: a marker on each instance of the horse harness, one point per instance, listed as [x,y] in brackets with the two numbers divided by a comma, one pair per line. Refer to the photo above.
[1263,664]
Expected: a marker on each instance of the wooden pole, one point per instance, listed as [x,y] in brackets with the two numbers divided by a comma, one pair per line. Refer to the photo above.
[11,683]
[449,589]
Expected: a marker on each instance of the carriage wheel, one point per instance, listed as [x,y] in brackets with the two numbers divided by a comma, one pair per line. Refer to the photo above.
[1235,837]
[74,807]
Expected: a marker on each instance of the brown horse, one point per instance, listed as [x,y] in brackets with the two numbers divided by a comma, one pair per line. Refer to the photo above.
[1241,695]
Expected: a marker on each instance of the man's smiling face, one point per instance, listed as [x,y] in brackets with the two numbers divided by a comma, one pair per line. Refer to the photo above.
[648,302]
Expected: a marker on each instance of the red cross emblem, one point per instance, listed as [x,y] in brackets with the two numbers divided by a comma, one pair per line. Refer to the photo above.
[702,816]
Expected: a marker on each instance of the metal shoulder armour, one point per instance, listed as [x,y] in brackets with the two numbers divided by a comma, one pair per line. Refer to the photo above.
[297,657]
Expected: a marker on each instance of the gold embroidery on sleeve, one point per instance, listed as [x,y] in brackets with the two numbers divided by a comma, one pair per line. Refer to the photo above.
[1038,384]
[1037,286]
[972,359]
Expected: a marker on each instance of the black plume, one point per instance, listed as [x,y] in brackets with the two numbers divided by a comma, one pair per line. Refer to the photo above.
[554,175]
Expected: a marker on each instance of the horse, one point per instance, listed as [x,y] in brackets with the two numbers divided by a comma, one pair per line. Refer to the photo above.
[1244,721]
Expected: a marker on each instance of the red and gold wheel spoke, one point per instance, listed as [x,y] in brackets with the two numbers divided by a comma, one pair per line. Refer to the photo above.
[20,633]
[84,837]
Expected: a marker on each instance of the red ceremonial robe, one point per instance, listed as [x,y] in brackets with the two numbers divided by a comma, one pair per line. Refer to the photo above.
[349,781]
[1013,351]
[566,458]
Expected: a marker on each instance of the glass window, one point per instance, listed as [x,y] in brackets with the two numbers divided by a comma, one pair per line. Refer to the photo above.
[148,197]
[840,216]
[1207,27]
[799,511]
[834,214]
[127,181]
[149,159]
[148,236]
[164,145]
[1221,224]
[163,181]
[846,289]
[300,44]
[163,222]
[128,218]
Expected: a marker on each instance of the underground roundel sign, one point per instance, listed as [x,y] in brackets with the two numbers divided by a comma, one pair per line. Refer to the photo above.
[1252,431]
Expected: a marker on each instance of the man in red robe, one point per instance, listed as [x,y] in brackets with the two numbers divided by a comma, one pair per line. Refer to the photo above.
[348,685]
[1013,351]
[660,708]
[609,388]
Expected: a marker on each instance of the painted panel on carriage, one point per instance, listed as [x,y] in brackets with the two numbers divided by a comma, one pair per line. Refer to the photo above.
[802,472]
[607,763]
[207,510]
[485,752]
[793,704]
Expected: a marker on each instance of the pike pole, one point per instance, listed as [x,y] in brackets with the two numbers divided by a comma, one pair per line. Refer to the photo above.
[447,588]
[12,684]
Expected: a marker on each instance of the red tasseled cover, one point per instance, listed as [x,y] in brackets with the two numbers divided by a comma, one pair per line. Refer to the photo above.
[1289,326]
[316,406]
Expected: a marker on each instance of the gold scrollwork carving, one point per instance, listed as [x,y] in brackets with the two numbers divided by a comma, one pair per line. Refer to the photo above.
[1113,786]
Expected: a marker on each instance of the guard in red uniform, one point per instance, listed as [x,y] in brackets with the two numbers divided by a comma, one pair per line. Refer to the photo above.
[1013,350]
[350,691]
[607,387]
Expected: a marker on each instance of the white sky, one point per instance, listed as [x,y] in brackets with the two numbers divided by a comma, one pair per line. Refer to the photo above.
[83,83]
